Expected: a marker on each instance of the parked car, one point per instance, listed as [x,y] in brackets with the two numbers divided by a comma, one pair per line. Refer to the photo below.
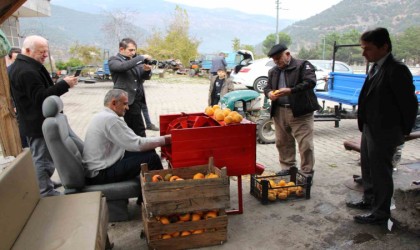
[255,75]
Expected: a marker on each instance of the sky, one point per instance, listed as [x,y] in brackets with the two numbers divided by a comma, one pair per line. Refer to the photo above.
[289,9]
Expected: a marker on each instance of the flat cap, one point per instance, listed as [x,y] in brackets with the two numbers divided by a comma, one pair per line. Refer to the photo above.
[276,49]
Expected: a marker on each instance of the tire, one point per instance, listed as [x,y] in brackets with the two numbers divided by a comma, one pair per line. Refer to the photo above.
[265,130]
[260,84]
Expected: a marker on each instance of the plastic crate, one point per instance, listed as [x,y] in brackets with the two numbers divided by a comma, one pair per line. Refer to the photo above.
[262,187]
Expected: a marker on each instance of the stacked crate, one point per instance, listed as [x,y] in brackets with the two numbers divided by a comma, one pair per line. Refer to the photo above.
[170,199]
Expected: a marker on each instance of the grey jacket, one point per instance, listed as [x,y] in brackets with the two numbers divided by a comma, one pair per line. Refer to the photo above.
[128,74]
[227,87]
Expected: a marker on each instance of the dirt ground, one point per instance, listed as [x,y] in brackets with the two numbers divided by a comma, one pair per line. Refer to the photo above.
[322,222]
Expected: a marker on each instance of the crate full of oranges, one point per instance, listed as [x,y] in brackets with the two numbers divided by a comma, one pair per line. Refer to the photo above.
[186,230]
[281,187]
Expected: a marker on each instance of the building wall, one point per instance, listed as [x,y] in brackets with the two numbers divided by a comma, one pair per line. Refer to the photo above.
[11,28]
[31,8]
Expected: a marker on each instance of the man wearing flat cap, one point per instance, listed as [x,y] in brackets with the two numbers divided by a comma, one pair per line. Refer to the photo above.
[290,88]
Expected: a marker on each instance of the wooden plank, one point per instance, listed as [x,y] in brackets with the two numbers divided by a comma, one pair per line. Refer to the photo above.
[9,131]
[7,8]
[187,205]
[171,197]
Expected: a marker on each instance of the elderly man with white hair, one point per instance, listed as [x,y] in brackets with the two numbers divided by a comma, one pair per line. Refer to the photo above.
[31,84]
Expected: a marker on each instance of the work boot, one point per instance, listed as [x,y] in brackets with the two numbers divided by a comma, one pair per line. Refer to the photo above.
[152,127]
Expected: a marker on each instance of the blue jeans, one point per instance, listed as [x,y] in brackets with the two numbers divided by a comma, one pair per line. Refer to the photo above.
[128,167]
[44,165]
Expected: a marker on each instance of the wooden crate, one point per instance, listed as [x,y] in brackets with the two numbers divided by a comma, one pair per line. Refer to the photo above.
[163,198]
[215,232]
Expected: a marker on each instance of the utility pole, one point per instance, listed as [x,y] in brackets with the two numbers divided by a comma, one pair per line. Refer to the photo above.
[277,20]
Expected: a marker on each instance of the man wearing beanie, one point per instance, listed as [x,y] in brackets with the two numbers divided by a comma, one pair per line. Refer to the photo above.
[290,88]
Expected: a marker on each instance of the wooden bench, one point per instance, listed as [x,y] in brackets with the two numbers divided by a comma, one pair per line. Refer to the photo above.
[354,144]
[27,221]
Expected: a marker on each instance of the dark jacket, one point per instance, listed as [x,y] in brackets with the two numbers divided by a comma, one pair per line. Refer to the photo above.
[31,84]
[301,79]
[387,101]
[128,74]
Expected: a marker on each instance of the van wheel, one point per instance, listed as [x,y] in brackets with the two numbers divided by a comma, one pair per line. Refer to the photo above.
[260,84]
[265,130]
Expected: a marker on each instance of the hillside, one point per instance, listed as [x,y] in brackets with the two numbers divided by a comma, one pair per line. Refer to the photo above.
[396,15]
[82,21]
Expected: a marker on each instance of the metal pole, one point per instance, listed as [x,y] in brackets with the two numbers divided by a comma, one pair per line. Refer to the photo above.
[323,51]
[277,21]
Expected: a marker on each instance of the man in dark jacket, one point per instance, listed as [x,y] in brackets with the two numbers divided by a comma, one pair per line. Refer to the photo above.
[128,73]
[30,85]
[387,111]
[290,88]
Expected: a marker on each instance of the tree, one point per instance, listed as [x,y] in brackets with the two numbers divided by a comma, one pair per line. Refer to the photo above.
[176,42]
[119,26]
[88,55]
[236,44]
[406,46]
[71,63]
[270,41]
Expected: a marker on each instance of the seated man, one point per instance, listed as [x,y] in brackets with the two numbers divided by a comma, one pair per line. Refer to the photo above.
[112,151]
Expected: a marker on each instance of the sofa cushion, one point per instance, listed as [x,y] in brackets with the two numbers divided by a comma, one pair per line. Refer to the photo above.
[66,222]
[19,195]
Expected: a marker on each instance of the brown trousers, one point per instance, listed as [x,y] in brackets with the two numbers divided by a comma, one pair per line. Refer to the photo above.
[290,130]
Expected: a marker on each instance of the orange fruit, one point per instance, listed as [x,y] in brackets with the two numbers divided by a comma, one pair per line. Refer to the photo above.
[166,236]
[176,234]
[219,116]
[185,217]
[157,178]
[237,118]
[211,176]
[195,217]
[209,111]
[164,220]
[173,178]
[228,119]
[216,107]
[271,196]
[282,195]
[185,233]
[198,176]
[210,214]
[226,111]
[282,183]
[198,231]
[299,192]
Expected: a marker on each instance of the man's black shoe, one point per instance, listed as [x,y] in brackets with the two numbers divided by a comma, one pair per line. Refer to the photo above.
[359,205]
[57,184]
[370,219]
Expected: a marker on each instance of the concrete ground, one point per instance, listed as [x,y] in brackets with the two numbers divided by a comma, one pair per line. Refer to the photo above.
[322,222]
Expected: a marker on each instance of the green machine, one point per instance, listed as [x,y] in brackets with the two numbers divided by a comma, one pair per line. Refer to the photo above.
[254,107]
